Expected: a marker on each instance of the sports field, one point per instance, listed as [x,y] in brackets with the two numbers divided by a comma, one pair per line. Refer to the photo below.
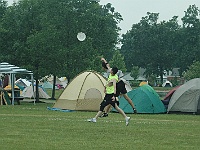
[34,127]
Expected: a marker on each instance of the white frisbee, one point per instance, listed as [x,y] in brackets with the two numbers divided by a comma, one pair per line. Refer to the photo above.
[81,36]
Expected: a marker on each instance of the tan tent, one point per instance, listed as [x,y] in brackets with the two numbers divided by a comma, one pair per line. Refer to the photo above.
[28,92]
[84,92]
[61,81]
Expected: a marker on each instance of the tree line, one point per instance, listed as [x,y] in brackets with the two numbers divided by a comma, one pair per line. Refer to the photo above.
[40,35]
[159,46]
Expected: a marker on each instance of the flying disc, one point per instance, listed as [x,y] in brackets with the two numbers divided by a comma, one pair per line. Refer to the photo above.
[81,36]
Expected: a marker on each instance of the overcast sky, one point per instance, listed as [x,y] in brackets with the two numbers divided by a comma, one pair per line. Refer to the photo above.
[133,10]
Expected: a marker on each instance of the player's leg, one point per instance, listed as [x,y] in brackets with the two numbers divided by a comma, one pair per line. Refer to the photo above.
[106,111]
[123,91]
[129,100]
[122,113]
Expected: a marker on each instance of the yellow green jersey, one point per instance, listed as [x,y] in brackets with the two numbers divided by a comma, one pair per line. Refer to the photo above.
[110,89]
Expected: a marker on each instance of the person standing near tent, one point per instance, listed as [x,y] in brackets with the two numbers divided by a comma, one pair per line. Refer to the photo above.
[5,80]
[120,87]
[110,97]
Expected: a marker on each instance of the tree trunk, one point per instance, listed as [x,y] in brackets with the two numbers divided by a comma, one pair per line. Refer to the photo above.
[53,90]
[37,91]
[37,83]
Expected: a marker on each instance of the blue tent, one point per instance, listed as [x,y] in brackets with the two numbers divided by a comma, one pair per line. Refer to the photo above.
[145,99]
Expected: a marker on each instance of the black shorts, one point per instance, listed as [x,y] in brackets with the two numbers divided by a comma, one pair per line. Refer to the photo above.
[108,100]
[121,89]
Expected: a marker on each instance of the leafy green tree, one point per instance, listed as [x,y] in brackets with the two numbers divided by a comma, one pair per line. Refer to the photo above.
[118,61]
[193,71]
[151,45]
[3,32]
[189,39]
[3,7]
[151,79]
[135,72]
[44,35]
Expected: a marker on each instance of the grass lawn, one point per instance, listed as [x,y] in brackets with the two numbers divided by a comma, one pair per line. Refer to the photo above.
[34,127]
[57,92]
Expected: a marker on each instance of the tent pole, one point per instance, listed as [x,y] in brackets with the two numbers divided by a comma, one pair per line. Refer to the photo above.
[13,87]
[32,82]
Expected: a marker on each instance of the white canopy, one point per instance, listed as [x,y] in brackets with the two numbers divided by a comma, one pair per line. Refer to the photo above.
[12,70]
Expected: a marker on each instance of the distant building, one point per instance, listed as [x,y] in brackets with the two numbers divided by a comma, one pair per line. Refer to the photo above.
[171,76]
[141,76]
[128,77]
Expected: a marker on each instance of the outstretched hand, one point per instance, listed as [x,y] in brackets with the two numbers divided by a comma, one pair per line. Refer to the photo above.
[103,59]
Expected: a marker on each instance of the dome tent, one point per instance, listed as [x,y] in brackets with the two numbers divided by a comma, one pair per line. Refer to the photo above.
[167,84]
[168,96]
[28,92]
[145,99]
[84,92]
[186,98]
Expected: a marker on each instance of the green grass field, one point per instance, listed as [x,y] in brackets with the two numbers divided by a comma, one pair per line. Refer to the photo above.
[34,127]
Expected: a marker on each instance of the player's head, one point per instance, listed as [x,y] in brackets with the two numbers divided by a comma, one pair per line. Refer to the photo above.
[114,70]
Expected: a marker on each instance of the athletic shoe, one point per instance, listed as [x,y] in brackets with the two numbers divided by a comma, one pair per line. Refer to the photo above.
[104,115]
[127,120]
[92,120]
[134,111]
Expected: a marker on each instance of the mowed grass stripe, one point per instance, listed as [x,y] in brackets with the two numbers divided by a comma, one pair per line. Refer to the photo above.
[34,127]
[134,118]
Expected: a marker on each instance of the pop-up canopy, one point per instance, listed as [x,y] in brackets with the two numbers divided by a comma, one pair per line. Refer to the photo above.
[13,70]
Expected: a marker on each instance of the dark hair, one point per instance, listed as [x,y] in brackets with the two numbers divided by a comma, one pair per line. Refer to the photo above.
[114,70]
[104,65]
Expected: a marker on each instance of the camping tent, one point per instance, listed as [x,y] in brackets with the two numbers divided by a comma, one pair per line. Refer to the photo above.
[84,92]
[22,83]
[47,85]
[167,98]
[186,98]
[170,93]
[62,81]
[145,100]
[167,84]
[28,92]
[143,83]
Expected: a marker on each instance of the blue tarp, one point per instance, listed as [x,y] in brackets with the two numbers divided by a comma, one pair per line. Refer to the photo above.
[58,109]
